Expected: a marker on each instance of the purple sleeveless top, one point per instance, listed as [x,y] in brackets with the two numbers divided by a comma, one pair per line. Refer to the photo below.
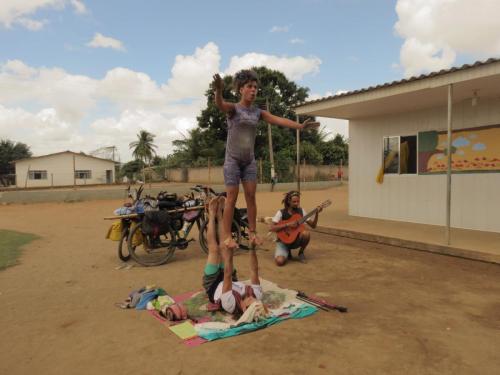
[241,132]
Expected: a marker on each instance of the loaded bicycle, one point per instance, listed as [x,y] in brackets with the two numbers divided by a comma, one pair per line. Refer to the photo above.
[153,228]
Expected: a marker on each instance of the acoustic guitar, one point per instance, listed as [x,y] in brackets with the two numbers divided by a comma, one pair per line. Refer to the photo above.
[289,235]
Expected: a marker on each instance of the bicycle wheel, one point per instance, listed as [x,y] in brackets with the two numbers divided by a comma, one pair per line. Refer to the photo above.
[123,252]
[152,251]
[235,232]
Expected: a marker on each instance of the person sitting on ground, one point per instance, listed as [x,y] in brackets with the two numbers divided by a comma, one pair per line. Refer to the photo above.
[219,279]
[283,251]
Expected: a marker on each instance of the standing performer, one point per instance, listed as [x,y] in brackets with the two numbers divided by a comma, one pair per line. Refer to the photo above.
[239,163]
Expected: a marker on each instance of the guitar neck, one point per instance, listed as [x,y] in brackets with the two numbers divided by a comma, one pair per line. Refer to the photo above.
[313,212]
[306,217]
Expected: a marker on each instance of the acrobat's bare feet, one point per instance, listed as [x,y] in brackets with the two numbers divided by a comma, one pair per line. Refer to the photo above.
[255,240]
[230,244]
[213,206]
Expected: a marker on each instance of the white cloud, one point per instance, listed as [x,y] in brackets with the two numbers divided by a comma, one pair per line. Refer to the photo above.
[130,89]
[297,41]
[192,74]
[16,12]
[316,96]
[30,24]
[122,130]
[43,131]
[436,31]
[101,41]
[334,126]
[279,29]
[293,67]
[52,110]
[331,125]
[79,6]
[72,96]
[18,68]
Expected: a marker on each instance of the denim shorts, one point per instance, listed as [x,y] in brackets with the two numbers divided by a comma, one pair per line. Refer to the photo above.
[236,171]
[282,249]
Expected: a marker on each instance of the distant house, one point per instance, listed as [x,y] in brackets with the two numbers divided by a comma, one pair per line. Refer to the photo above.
[65,168]
[398,147]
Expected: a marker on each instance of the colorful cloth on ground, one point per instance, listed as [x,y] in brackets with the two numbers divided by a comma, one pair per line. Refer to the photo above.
[146,295]
[159,303]
[211,334]
[212,325]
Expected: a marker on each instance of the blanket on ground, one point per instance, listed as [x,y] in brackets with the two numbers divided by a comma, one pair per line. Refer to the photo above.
[212,325]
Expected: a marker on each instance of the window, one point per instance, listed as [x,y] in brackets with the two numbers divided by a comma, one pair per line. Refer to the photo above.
[83,175]
[37,175]
[400,155]
[408,155]
[391,155]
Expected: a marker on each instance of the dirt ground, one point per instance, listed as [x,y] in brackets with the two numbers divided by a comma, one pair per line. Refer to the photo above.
[410,312]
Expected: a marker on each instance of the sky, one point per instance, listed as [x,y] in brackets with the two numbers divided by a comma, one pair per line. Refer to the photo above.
[84,74]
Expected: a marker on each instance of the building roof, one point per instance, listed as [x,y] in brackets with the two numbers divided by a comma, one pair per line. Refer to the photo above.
[420,83]
[63,152]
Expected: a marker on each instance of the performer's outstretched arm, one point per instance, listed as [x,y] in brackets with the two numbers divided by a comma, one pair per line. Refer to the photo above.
[286,123]
[224,106]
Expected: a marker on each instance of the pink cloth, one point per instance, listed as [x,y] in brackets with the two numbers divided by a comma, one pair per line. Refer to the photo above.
[182,297]
[195,341]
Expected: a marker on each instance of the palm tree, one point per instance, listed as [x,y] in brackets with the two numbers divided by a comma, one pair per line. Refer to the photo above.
[197,145]
[144,148]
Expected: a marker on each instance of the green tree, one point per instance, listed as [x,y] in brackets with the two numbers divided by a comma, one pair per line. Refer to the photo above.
[10,151]
[335,150]
[144,148]
[131,169]
[310,153]
[199,145]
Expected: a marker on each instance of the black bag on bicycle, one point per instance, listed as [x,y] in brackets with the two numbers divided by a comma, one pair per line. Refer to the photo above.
[156,222]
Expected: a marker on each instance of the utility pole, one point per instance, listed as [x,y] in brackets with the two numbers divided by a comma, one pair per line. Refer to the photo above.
[298,156]
[448,169]
[271,155]
[260,170]
[209,174]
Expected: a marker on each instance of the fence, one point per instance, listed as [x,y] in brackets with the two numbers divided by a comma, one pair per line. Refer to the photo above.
[215,175]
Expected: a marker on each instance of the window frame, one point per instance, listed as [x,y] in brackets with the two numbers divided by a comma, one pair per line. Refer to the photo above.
[399,153]
[33,173]
[82,172]
[383,152]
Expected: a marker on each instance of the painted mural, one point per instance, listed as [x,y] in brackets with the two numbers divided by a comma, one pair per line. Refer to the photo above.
[472,150]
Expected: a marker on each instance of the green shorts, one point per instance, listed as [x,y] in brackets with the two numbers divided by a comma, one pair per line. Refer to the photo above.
[212,276]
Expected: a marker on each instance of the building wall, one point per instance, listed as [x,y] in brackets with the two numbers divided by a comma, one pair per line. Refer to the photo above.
[422,198]
[60,170]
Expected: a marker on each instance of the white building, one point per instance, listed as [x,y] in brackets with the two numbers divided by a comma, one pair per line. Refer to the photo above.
[410,118]
[65,168]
